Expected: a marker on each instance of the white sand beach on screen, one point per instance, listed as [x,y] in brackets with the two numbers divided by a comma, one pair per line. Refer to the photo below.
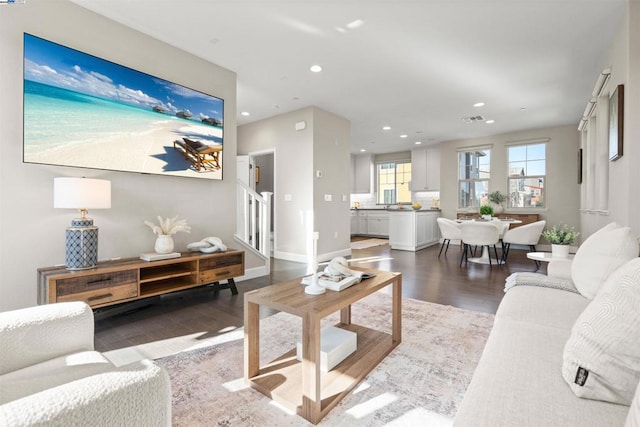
[150,151]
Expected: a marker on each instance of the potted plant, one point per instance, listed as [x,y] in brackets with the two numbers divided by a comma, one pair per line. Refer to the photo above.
[497,199]
[560,238]
[486,211]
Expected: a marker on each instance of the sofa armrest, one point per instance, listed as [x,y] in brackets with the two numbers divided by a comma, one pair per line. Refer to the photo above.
[560,268]
[35,334]
[134,395]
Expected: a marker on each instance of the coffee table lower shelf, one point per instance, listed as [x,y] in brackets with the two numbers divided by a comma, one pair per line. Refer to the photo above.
[281,379]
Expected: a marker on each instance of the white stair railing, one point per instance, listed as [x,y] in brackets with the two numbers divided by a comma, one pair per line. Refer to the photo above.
[254,219]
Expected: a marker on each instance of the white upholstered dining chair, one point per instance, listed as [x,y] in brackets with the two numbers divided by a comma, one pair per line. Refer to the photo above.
[450,230]
[527,235]
[483,234]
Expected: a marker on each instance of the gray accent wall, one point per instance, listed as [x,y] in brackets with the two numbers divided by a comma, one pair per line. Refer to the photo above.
[31,230]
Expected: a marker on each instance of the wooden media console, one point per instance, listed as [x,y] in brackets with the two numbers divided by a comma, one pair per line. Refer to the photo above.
[130,279]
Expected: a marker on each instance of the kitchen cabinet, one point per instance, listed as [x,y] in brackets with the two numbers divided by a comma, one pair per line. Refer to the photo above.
[356,221]
[361,173]
[413,230]
[378,223]
[370,222]
[425,169]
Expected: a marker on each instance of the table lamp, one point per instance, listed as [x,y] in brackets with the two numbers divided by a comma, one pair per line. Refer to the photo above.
[82,237]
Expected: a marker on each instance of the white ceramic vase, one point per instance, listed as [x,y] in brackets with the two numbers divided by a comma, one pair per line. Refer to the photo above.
[497,208]
[560,251]
[164,244]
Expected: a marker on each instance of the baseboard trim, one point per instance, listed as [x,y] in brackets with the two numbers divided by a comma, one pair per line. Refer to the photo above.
[252,273]
[287,256]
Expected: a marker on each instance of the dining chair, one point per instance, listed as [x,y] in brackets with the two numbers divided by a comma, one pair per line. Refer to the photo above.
[528,235]
[483,234]
[449,230]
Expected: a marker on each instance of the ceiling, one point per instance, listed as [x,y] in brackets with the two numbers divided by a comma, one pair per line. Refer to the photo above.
[416,66]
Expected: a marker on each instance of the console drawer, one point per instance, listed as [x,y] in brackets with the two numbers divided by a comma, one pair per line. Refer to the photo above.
[92,282]
[103,295]
[216,274]
[221,267]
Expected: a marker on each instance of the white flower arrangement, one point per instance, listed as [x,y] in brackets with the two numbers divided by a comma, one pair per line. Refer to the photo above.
[169,226]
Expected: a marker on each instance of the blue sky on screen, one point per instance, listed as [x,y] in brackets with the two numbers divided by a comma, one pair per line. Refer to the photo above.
[56,65]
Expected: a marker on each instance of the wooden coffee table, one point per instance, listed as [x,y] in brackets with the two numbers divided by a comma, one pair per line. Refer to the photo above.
[301,386]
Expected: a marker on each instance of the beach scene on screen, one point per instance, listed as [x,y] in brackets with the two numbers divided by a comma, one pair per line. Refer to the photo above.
[84,111]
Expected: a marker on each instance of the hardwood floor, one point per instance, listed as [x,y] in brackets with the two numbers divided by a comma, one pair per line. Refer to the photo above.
[202,311]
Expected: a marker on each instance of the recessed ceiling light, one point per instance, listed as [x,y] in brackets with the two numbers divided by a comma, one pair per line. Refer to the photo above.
[245,113]
[404,135]
[490,121]
[362,150]
[386,128]
[418,142]
[316,68]
[479,104]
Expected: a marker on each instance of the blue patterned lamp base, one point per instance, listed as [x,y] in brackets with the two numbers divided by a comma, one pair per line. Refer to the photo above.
[81,245]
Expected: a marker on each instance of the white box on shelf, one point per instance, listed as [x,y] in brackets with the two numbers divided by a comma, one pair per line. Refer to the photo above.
[153,256]
[335,345]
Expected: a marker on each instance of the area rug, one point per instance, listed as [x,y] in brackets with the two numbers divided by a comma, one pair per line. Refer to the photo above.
[368,243]
[421,382]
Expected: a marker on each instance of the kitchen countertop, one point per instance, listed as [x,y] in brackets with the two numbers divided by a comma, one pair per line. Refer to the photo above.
[395,209]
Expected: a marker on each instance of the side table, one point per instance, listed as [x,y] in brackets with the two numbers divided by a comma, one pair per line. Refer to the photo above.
[545,256]
[302,386]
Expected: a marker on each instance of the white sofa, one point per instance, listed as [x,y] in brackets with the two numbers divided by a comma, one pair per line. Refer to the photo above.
[51,375]
[519,379]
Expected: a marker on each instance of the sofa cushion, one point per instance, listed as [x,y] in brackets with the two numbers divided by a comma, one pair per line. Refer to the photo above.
[518,383]
[633,419]
[52,373]
[543,306]
[600,255]
[602,356]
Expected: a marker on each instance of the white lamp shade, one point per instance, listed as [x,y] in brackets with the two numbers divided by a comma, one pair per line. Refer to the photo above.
[81,193]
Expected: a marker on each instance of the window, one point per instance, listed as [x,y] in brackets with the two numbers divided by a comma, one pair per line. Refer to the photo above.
[474,170]
[527,172]
[393,182]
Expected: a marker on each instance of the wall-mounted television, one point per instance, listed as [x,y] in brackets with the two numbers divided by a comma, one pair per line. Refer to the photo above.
[84,111]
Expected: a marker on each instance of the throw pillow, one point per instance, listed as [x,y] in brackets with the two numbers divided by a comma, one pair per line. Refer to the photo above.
[601,359]
[600,255]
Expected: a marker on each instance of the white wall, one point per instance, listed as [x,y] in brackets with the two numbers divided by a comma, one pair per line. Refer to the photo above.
[331,156]
[624,173]
[31,231]
[322,145]
[562,191]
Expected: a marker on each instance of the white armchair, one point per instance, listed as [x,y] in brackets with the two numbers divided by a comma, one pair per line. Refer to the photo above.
[50,374]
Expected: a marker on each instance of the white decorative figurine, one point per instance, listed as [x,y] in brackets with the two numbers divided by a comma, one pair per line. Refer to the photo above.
[208,245]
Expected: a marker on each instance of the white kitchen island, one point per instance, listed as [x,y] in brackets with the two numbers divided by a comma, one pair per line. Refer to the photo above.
[411,230]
